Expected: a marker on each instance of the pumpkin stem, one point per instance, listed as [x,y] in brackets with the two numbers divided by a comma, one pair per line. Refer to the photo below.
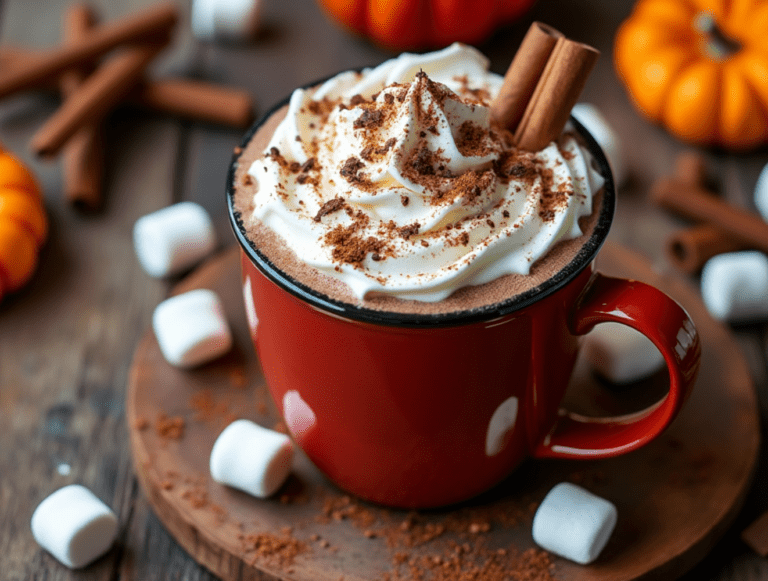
[718,46]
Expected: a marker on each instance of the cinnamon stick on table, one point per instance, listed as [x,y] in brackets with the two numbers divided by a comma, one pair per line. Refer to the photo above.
[193,99]
[83,165]
[688,250]
[149,23]
[694,203]
[97,96]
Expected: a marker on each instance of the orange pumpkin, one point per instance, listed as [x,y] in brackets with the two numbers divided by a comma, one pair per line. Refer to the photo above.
[23,223]
[700,68]
[418,24]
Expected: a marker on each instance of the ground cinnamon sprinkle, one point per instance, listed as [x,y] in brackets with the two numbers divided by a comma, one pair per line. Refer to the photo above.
[329,207]
[170,428]
[276,550]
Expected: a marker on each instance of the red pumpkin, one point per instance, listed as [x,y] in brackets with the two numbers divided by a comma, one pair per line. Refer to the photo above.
[418,24]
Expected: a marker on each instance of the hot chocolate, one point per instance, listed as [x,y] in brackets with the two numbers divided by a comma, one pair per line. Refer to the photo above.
[392,190]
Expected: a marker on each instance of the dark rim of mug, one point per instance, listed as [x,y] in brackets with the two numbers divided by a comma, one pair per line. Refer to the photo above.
[332,306]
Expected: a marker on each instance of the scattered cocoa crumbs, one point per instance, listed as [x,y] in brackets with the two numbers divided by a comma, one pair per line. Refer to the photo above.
[369,119]
[349,245]
[197,496]
[409,230]
[276,550]
[170,428]
[350,170]
[404,200]
[472,140]
[551,199]
[371,151]
[329,207]
[204,405]
[309,165]
[166,485]
[237,150]
[482,96]
[247,180]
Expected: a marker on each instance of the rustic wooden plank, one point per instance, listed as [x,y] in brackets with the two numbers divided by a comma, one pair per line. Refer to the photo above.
[66,340]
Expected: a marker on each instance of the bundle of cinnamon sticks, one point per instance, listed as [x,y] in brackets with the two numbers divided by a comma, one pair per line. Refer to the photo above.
[541,86]
[92,87]
[720,227]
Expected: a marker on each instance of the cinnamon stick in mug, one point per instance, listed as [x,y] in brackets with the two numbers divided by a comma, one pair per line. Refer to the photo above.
[96,97]
[523,74]
[83,164]
[149,23]
[694,203]
[556,93]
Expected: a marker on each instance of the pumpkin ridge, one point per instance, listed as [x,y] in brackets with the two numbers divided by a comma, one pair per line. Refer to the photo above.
[38,233]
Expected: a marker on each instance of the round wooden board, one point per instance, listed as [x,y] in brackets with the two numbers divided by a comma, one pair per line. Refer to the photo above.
[675,497]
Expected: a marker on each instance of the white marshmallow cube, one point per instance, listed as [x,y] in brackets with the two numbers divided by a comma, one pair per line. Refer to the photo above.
[251,458]
[594,122]
[234,20]
[191,328]
[173,239]
[621,354]
[734,286]
[574,523]
[761,193]
[74,526]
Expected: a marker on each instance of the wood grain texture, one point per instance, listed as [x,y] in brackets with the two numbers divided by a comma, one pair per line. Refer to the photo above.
[709,452]
[67,340]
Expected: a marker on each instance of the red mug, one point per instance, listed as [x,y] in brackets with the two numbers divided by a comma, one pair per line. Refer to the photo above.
[418,411]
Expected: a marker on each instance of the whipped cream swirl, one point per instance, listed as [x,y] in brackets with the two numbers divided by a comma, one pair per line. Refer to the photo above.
[394,180]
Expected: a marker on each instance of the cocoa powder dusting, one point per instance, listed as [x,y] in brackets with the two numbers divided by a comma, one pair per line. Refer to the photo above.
[276,550]
[551,199]
[329,207]
[170,428]
[351,248]
[369,119]
[350,170]
[472,140]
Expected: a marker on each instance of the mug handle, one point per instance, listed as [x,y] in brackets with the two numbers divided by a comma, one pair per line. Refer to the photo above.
[669,327]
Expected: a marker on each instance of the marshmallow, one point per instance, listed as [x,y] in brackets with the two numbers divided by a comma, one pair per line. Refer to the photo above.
[74,526]
[734,286]
[173,239]
[191,328]
[621,354]
[251,458]
[594,122]
[574,523]
[761,193]
[225,19]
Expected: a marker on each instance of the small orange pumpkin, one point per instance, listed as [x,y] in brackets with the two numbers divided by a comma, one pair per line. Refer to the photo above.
[418,24]
[23,223]
[699,67]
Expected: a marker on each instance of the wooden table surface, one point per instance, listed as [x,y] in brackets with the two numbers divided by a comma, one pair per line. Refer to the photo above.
[68,338]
